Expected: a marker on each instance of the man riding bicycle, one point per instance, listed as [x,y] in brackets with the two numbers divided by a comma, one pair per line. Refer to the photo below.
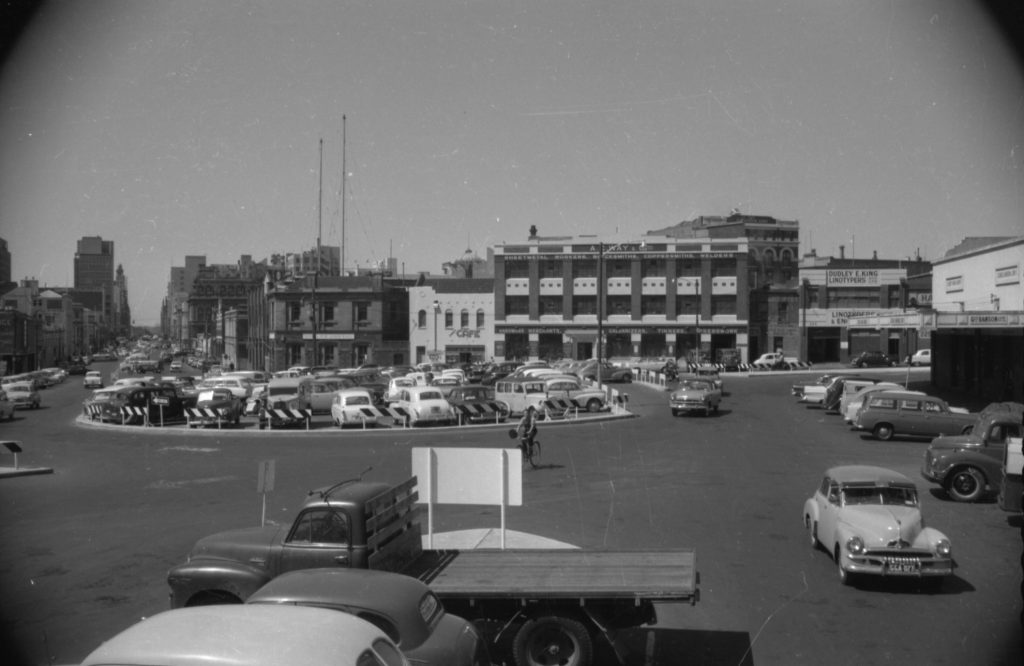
[527,430]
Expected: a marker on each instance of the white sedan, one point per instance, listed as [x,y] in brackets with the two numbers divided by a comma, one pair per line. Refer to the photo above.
[424,405]
[93,379]
[869,520]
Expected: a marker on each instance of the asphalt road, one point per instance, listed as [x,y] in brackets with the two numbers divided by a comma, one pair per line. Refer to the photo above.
[84,551]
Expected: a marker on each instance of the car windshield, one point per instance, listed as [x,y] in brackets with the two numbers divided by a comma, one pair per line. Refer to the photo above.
[428,395]
[695,385]
[887,495]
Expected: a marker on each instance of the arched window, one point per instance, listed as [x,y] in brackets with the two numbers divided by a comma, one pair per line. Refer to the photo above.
[464,319]
[421,319]
[480,318]
[448,319]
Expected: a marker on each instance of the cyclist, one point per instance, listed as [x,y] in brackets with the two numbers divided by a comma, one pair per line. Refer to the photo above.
[528,430]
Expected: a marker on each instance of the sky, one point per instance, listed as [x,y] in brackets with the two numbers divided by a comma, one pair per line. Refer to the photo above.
[186,127]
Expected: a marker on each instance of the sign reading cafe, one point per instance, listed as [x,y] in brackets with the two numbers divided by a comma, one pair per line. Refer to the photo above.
[852,277]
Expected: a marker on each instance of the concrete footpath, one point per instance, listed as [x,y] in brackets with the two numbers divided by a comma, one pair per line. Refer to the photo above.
[22,470]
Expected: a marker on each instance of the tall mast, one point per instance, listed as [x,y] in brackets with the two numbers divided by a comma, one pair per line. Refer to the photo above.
[344,175]
[316,269]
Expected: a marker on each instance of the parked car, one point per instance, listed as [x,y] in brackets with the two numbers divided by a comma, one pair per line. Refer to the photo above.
[157,402]
[834,394]
[694,394]
[891,413]
[921,357]
[476,403]
[609,372]
[355,406]
[853,402]
[240,386]
[105,404]
[395,385]
[322,390]
[873,358]
[970,467]
[23,395]
[569,388]
[93,379]
[175,365]
[774,361]
[869,520]
[406,608]
[223,405]
[6,407]
[425,405]
[249,635]
[446,384]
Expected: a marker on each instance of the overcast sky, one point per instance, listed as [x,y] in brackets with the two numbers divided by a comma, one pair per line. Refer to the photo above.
[177,128]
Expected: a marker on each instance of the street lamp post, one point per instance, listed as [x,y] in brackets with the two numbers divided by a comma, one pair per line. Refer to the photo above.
[696,323]
[437,309]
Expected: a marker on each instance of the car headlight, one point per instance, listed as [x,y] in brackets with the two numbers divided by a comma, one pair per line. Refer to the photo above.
[944,547]
[855,545]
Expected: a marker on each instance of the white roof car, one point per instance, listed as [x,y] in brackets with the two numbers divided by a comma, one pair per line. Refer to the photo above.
[425,404]
[93,378]
[354,406]
[249,635]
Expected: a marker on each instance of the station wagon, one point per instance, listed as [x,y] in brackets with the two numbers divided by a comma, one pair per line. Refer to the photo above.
[891,413]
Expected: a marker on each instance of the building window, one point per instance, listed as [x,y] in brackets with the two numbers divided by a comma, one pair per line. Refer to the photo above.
[781,312]
[464,319]
[584,305]
[619,305]
[551,305]
[421,319]
[687,305]
[552,268]
[294,311]
[517,305]
[584,268]
[687,268]
[327,312]
[362,310]
[517,269]
[723,305]
[617,267]
[480,318]
[449,319]
[652,305]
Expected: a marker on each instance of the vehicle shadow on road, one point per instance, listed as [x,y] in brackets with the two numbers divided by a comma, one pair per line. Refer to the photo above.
[950,585]
[943,496]
[645,646]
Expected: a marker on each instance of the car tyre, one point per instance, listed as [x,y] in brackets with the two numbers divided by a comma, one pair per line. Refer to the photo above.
[552,640]
[627,379]
[812,531]
[965,484]
[883,431]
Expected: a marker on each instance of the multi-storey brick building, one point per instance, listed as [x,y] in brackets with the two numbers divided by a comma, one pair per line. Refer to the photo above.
[651,295]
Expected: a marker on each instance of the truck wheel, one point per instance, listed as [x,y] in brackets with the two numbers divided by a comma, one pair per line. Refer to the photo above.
[965,484]
[550,640]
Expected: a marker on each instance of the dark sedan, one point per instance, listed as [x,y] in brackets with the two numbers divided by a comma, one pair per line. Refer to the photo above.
[871,359]
[404,607]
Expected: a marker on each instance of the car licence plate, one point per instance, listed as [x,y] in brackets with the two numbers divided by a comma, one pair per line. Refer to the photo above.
[903,567]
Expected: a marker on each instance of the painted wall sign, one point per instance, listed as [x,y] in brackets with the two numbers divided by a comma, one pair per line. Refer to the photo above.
[1008,275]
[852,277]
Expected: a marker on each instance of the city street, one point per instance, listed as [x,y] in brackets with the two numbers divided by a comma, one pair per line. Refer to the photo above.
[85,550]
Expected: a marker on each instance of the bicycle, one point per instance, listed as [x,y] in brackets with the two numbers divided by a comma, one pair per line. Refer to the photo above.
[531,454]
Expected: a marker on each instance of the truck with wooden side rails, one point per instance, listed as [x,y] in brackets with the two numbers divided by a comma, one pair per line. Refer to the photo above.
[540,606]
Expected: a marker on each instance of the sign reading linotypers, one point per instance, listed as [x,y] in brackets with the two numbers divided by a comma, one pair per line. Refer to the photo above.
[852,277]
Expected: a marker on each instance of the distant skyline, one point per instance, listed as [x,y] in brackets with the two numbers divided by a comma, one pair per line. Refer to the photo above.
[192,128]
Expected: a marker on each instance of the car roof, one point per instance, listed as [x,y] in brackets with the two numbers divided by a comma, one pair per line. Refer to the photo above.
[396,596]
[250,635]
[867,474]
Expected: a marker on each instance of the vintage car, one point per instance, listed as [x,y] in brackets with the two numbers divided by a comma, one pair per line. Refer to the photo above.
[970,467]
[249,635]
[873,358]
[710,372]
[476,403]
[22,395]
[354,406]
[408,611]
[869,520]
[322,390]
[921,357]
[891,413]
[609,372]
[93,379]
[818,386]
[694,394]
[445,384]
[774,361]
[217,406]
[856,401]
[854,392]
[425,405]
[832,401]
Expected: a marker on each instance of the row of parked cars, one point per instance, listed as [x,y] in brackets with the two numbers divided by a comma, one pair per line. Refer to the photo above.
[868,518]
